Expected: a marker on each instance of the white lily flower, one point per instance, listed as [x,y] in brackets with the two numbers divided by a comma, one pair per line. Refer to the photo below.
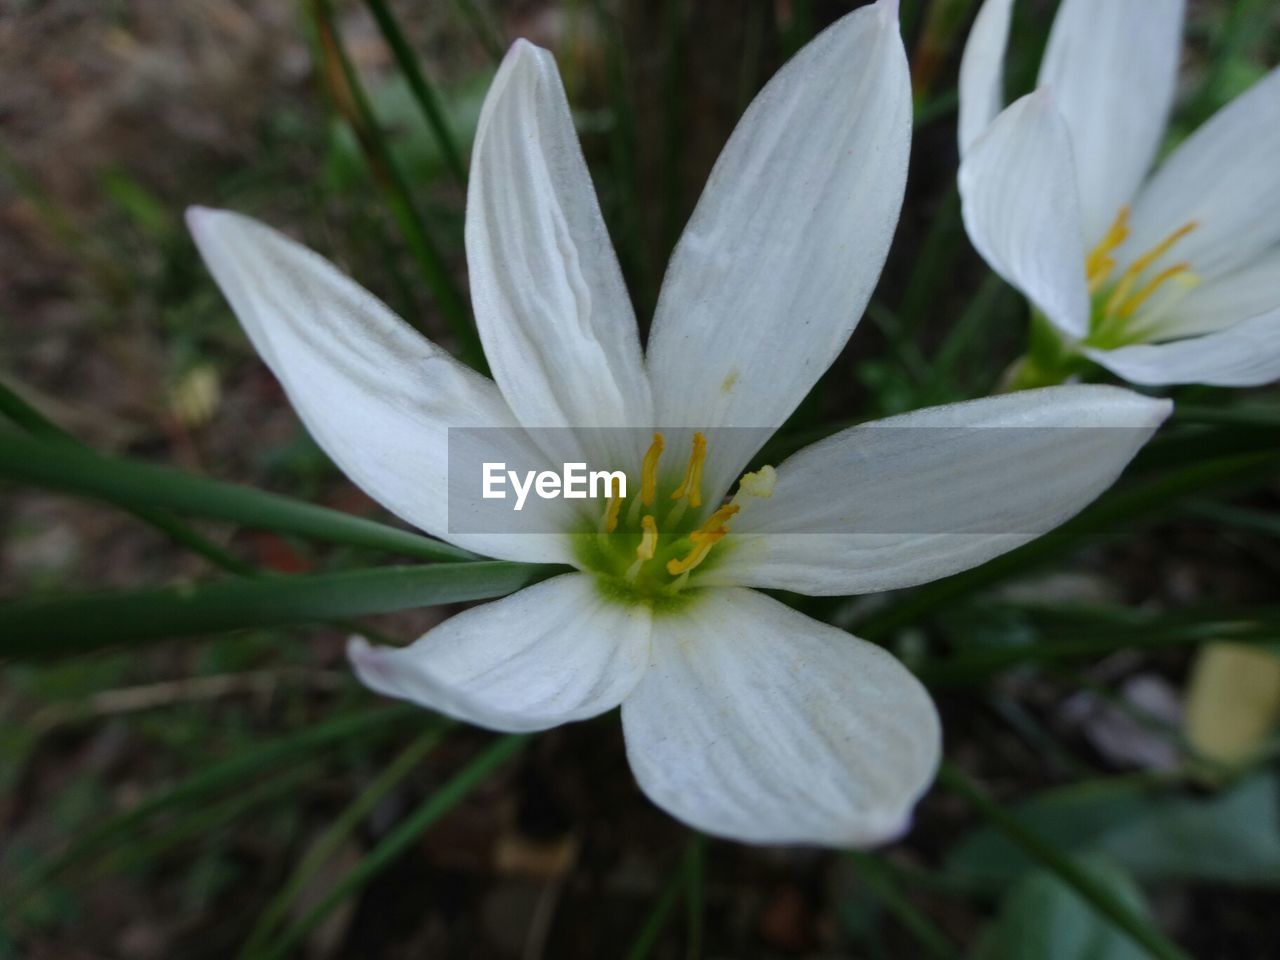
[1163,279]
[741,716]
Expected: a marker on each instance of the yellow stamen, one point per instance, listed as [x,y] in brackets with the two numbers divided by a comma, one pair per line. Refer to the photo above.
[1151,286]
[702,546]
[649,471]
[691,485]
[648,539]
[611,513]
[1100,264]
[704,538]
[1120,296]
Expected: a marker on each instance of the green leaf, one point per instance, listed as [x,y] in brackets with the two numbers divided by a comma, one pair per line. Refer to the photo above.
[1041,918]
[195,790]
[63,624]
[59,466]
[338,831]
[398,840]
[353,104]
[423,92]
[1233,837]
[1042,850]
[879,879]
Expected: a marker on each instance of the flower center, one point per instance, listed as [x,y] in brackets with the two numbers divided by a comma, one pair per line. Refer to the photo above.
[648,547]
[1117,301]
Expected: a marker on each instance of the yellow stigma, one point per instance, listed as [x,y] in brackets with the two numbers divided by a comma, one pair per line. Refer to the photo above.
[1100,262]
[691,485]
[649,472]
[758,484]
[704,538]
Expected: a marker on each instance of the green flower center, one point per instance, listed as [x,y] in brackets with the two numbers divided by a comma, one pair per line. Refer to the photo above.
[651,546]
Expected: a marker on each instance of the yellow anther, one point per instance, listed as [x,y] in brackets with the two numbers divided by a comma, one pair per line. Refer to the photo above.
[717,520]
[648,539]
[1100,263]
[611,513]
[702,545]
[1120,297]
[691,485]
[649,472]
[1132,305]
[704,538]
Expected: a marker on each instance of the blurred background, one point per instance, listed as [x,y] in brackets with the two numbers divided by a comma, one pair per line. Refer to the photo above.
[203,797]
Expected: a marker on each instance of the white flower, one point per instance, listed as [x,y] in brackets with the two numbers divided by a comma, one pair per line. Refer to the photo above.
[1173,278]
[741,716]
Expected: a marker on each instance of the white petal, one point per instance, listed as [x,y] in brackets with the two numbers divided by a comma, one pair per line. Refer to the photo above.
[553,312]
[1245,354]
[1112,68]
[759,724]
[1219,303]
[549,654]
[1226,179]
[781,255]
[377,396]
[982,70]
[1018,199]
[913,498]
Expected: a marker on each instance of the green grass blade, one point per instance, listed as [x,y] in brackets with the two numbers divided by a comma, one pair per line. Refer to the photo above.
[421,88]
[38,425]
[879,880]
[480,25]
[399,840]
[198,786]
[1257,521]
[198,824]
[59,625]
[131,484]
[1051,858]
[681,879]
[353,103]
[1083,633]
[337,832]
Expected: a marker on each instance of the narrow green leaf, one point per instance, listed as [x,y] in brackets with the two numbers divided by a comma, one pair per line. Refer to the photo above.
[1042,918]
[353,103]
[1090,633]
[199,823]
[194,789]
[422,90]
[1257,521]
[132,484]
[395,843]
[1232,837]
[38,425]
[1261,415]
[1052,858]
[680,881]
[337,832]
[879,879]
[481,27]
[63,624]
